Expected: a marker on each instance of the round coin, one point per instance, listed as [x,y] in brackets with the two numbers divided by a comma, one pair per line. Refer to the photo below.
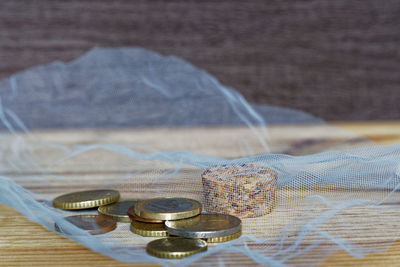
[93,224]
[221,239]
[167,208]
[118,210]
[148,229]
[175,247]
[205,226]
[86,199]
[133,216]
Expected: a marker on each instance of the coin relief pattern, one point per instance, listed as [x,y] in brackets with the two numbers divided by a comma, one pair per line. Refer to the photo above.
[168,205]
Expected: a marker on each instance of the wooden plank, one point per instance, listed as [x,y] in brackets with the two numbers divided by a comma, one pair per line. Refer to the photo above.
[382,132]
[336,61]
[228,142]
[23,241]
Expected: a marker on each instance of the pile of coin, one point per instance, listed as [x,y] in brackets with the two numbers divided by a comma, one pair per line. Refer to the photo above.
[185,229]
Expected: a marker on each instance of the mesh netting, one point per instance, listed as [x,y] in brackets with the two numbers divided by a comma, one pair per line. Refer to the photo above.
[149,126]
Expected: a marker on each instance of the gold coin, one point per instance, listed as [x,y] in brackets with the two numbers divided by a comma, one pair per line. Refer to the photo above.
[175,247]
[133,216]
[148,229]
[93,224]
[118,210]
[167,208]
[221,239]
[86,199]
[205,226]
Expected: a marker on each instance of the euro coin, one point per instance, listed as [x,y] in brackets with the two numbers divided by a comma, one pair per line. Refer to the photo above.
[148,229]
[175,247]
[93,224]
[221,239]
[118,210]
[133,216]
[205,226]
[86,199]
[167,208]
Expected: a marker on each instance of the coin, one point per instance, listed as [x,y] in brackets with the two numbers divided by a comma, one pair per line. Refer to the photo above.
[221,239]
[175,247]
[148,229]
[205,226]
[118,210]
[93,224]
[86,199]
[133,216]
[167,208]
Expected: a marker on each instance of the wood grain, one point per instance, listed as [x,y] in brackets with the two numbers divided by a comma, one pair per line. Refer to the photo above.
[23,242]
[338,61]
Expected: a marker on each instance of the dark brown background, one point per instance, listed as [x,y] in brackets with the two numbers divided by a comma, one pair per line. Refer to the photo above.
[339,60]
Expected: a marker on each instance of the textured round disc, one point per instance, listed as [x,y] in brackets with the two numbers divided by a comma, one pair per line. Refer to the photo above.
[86,199]
[175,247]
[205,226]
[118,210]
[148,229]
[221,239]
[167,208]
[133,216]
[93,224]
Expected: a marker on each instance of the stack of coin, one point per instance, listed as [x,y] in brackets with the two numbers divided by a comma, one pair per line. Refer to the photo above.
[180,217]
[148,215]
[157,217]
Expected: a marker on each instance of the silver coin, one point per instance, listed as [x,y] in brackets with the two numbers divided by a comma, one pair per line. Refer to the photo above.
[205,226]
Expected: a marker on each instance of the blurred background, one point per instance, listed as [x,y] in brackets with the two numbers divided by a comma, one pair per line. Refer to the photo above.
[338,60]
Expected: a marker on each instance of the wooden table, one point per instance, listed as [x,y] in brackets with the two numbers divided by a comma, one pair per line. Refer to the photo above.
[23,242]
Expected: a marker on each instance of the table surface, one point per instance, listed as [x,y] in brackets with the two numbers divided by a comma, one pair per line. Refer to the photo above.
[24,242]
